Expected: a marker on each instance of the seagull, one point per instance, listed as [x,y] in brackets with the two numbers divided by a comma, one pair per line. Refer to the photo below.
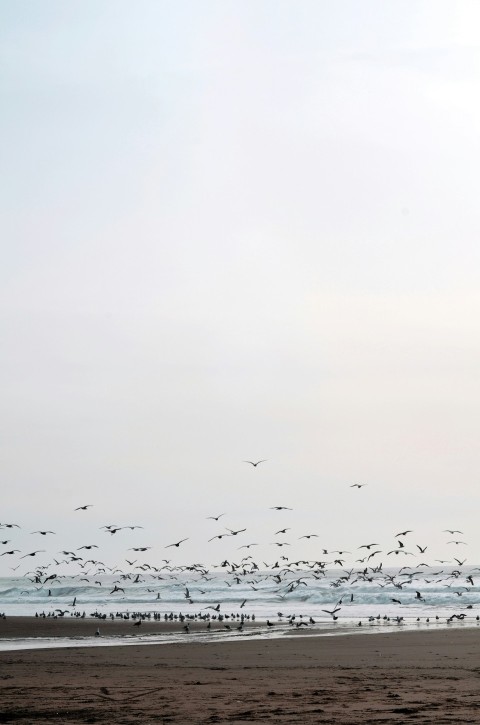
[43,533]
[332,612]
[255,463]
[215,518]
[32,553]
[358,485]
[449,531]
[84,508]
[403,533]
[280,508]
[282,531]
[140,548]
[178,543]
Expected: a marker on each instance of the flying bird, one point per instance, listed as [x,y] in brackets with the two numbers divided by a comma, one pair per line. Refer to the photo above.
[140,548]
[177,544]
[43,533]
[255,463]
[215,518]
[280,508]
[234,533]
[332,612]
[84,508]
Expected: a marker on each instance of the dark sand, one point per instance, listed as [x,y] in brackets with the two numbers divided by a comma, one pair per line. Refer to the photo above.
[398,677]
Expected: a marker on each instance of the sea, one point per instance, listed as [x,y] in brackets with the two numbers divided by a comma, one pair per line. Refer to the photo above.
[305,600]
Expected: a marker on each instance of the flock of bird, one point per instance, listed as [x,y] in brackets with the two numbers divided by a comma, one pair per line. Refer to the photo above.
[278,580]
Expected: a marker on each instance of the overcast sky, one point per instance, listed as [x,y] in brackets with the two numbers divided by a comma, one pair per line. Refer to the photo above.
[240,230]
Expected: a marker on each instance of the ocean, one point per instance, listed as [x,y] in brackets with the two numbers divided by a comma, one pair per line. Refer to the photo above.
[332,601]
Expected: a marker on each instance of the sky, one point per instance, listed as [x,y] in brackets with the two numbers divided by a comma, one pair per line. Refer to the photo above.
[236,231]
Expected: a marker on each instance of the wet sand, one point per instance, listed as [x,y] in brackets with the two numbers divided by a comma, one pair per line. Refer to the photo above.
[397,677]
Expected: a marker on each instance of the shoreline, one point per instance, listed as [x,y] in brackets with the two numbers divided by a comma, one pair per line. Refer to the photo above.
[22,633]
[432,676]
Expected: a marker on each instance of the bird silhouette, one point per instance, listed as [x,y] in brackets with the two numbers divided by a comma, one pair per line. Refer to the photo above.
[43,533]
[177,544]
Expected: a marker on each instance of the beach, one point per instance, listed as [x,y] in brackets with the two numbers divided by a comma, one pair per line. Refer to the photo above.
[392,677]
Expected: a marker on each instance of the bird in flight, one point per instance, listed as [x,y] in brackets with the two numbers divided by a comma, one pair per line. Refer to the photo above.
[280,508]
[234,533]
[84,508]
[215,518]
[331,612]
[255,463]
[43,533]
[177,544]
[450,531]
[32,553]
[358,485]
[403,533]
[140,548]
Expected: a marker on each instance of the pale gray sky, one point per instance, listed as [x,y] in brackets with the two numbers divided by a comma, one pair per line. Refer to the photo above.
[240,230]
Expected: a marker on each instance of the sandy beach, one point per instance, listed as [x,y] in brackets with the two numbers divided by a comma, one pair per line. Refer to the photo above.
[397,677]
